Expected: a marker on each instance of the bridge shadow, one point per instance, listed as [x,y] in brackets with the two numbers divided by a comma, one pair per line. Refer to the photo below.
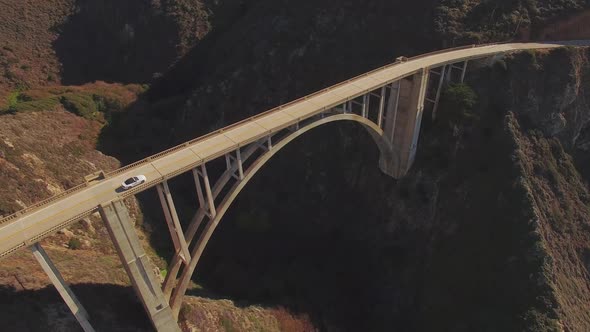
[111,308]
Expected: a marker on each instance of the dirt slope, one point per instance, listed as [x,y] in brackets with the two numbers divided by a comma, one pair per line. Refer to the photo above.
[339,244]
[79,41]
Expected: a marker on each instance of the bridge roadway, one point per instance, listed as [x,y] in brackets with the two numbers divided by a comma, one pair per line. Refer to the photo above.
[45,218]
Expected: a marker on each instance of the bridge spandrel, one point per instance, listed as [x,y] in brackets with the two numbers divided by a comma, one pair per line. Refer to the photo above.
[179,160]
[401,129]
[347,91]
[246,133]
[395,73]
[214,146]
[368,83]
[303,109]
[328,99]
[276,121]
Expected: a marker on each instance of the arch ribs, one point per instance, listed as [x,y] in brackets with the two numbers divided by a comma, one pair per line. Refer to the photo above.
[392,114]
[393,120]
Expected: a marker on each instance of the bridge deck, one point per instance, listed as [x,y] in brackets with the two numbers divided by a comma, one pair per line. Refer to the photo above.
[31,224]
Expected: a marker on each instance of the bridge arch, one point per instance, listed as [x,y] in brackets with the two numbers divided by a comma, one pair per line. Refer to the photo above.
[176,288]
[404,87]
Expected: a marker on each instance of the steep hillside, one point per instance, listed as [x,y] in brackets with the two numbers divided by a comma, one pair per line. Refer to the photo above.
[551,119]
[485,233]
[459,22]
[78,41]
[489,231]
[26,55]
[48,139]
[271,52]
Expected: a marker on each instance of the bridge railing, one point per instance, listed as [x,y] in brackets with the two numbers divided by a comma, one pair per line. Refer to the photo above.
[229,127]
[43,202]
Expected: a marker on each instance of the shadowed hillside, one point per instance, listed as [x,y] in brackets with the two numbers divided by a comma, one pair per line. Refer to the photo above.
[127,41]
[488,232]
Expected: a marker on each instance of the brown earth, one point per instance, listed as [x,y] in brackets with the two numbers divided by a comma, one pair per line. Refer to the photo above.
[44,153]
[209,315]
[553,175]
[561,202]
[45,149]
[26,54]
[45,42]
[406,259]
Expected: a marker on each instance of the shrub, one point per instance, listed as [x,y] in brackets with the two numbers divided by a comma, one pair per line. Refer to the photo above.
[46,104]
[12,100]
[458,101]
[74,243]
[80,104]
[97,101]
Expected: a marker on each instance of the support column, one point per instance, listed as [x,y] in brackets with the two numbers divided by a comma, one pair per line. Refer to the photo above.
[392,110]
[381,107]
[229,158]
[173,221]
[402,124]
[64,290]
[418,119]
[366,101]
[464,71]
[210,201]
[136,264]
[438,90]
[448,75]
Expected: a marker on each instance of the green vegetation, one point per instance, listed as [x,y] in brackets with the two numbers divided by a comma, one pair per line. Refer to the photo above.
[227,324]
[93,101]
[458,101]
[83,105]
[74,243]
[519,163]
[12,100]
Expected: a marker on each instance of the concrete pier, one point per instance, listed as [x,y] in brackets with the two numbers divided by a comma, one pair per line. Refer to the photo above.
[403,118]
[136,264]
[62,288]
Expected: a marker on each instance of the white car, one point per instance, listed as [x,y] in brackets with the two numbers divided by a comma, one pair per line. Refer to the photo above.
[134,181]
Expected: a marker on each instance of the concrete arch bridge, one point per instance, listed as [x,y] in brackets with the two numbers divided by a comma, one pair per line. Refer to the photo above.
[389,102]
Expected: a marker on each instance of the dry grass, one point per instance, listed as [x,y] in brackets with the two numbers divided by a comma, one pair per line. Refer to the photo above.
[22,271]
[204,315]
[561,202]
[42,41]
[93,101]
[27,34]
[43,153]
